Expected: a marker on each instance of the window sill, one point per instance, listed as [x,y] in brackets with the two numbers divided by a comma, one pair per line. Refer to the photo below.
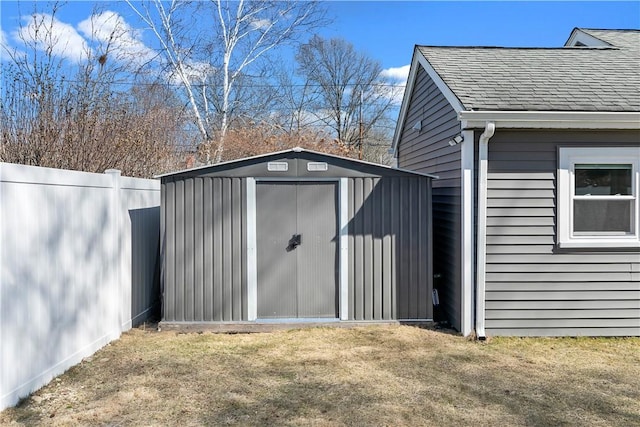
[600,244]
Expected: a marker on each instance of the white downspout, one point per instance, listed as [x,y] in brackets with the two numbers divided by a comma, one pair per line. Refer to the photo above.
[467,247]
[483,160]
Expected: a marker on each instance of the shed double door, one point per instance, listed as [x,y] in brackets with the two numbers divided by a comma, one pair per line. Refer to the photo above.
[297,249]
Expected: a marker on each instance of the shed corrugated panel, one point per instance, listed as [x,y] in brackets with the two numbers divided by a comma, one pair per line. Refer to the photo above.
[204,223]
[390,249]
[532,287]
[428,151]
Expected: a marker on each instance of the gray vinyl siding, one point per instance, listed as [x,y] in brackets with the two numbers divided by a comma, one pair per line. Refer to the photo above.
[204,249]
[390,267]
[532,286]
[428,151]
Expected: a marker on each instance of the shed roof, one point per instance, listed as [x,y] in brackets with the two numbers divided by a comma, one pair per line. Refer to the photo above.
[296,152]
[603,78]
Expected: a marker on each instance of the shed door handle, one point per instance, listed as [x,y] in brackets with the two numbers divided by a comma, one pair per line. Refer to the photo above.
[294,242]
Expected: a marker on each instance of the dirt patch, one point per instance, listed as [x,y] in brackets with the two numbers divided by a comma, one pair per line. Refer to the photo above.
[378,375]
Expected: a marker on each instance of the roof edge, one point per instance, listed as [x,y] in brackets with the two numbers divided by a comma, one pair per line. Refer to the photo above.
[420,60]
[296,150]
[197,168]
[581,37]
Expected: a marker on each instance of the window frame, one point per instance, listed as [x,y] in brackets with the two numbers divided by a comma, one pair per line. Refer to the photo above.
[568,158]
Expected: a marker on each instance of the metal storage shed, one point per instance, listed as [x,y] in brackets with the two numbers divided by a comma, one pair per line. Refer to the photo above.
[296,235]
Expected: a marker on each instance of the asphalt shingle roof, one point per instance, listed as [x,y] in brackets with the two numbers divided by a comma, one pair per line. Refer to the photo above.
[544,79]
[618,38]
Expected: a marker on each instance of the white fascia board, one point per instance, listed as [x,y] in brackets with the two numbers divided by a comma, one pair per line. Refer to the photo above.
[579,36]
[440,84]
[419,60]
[550,119]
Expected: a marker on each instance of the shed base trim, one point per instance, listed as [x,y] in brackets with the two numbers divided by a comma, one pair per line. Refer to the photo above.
[261,326]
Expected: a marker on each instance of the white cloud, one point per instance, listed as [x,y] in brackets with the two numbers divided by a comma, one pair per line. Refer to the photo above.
[7,51]
[312,118]
[195,72]
[46,32]
[199,70]
[397,77]
[4,45]
[396,94]
[399,74]
[260,24]
[124,43]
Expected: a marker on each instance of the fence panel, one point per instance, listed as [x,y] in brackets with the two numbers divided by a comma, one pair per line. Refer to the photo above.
[78,260]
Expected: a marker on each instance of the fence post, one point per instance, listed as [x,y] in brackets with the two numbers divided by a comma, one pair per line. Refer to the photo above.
[4,387]
[116,256]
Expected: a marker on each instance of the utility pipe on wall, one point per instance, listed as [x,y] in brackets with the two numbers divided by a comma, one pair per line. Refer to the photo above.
[483,161]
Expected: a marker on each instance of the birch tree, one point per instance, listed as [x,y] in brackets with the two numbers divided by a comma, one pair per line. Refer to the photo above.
[236,36]
[176,45]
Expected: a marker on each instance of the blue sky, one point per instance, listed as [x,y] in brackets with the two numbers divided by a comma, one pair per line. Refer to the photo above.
[388,30]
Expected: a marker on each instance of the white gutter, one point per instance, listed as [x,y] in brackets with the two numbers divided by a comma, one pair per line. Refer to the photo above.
[483,163]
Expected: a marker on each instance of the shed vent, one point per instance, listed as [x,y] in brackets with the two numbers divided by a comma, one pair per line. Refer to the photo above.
[317,166]
[277,166]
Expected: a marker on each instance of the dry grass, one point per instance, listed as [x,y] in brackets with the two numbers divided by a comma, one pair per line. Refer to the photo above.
[382,375]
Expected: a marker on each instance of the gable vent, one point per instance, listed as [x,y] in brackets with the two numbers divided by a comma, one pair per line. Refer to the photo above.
[277,166]
[317,166]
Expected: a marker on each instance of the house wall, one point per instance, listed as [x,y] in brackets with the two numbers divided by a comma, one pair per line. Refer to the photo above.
[532,286]
[78,255]
[428,151]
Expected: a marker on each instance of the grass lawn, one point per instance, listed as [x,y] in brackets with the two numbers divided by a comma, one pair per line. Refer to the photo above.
[367,376]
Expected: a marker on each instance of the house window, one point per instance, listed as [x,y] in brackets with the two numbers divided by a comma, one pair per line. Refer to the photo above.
[598,202]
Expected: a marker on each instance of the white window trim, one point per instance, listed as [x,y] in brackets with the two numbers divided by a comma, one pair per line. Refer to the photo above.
[568,158]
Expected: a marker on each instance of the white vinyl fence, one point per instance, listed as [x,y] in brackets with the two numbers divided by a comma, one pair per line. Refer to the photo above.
[78,266]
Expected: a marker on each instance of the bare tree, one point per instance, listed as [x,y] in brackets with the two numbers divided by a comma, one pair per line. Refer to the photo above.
[352,96]
[241,34]
[71,115]
[264,138]
[292,113]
